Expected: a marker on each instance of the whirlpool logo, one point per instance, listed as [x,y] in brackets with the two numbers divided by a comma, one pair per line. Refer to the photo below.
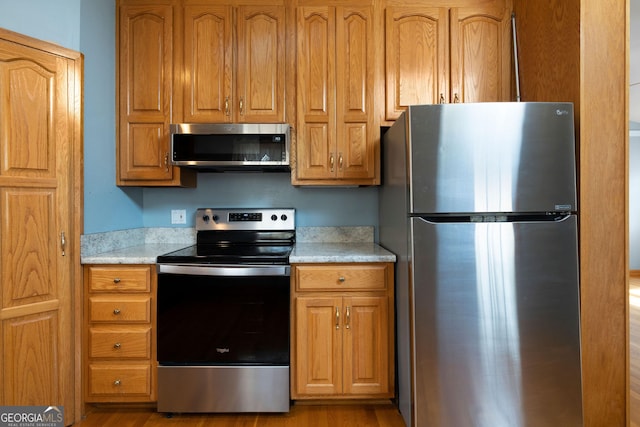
[222,350]
[32,416]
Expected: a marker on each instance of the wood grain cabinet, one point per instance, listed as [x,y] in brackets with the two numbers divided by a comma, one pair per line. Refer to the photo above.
[145,78]
[217,88]
[196,62]
[338,128]
[119,340]
[441,55]
[343,331]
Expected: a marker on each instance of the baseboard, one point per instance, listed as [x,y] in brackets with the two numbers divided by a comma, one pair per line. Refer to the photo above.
[634,273]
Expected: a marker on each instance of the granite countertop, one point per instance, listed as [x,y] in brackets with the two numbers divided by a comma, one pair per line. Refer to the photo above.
[314,245]
[339,252]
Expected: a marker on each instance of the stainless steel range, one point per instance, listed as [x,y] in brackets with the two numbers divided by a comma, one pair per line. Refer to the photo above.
[223,314]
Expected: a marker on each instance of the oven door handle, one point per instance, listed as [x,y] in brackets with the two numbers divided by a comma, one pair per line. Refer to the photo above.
[224,270]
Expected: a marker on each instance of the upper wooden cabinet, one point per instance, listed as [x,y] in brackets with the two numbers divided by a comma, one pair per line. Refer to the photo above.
[441,55]
[145,52]
[338,134]
[196,62]
[217,89]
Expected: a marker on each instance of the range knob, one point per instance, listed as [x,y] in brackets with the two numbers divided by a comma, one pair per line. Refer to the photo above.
[205,218]
[283,217]
[274,217]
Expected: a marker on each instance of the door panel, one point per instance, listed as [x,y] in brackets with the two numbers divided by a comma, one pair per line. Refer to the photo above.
[492,157]
[366,349]
[417,55]
[319,346]
[38,128]
[496,323]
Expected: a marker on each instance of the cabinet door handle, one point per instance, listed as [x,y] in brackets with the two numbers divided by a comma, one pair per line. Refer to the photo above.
[347,322]
[63,243]
[241,104]
[337,317]
[226,106]
[340,162]
[441,98]
[456,100]
[166,162]
[331,161]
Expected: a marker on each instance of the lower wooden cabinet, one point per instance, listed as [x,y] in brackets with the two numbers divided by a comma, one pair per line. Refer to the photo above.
[119,345]
[342,331]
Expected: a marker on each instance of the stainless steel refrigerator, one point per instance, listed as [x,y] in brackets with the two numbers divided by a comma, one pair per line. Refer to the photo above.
[479,204]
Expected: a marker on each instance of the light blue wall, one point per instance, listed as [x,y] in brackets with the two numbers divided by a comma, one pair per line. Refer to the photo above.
[89,26]
[106,206]
[54,21]
[314,206]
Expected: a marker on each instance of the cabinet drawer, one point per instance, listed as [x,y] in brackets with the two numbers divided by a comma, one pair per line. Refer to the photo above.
[122,279]
[120,342]
[341,277]
[119,379]
[120,308]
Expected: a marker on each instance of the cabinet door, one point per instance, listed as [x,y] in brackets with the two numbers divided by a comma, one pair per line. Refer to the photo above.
[355,71]
[208,64]
[145,78]
[261,64]
[417,57]
[366,345]
[480,55]
[39,114]
[319,327]
[315,156]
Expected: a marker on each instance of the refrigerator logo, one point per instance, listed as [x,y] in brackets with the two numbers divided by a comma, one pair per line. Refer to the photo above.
[560,112]
[563,207]
[222,350]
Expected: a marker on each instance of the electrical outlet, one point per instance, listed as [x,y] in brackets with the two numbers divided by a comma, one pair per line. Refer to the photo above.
[178,216]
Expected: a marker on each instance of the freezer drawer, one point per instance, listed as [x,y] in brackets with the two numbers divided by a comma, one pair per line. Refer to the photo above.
[496,324]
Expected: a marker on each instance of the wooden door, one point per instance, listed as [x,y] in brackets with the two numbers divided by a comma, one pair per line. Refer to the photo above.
[208,64]
[316,32]
[319,327]
[366,345]
[417,57]
[261,64]
[145,58]
[355,81]
[40,124]
[480,54]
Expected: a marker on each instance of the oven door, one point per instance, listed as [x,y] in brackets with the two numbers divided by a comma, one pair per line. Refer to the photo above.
[223,315]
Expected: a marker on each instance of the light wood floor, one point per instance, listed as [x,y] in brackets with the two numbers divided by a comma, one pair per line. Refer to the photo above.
[301,415]
[634,350]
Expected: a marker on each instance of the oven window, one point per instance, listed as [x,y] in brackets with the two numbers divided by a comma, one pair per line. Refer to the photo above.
[222,320]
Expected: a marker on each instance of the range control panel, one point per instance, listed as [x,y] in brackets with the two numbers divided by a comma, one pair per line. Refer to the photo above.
[245,219]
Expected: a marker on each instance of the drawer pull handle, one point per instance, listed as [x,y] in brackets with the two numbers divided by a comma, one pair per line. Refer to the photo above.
[116,311]
[116,280]
[117,383]
[117,346]
[341,279]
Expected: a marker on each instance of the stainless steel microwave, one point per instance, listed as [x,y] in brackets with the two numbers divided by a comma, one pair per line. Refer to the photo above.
[237,147]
